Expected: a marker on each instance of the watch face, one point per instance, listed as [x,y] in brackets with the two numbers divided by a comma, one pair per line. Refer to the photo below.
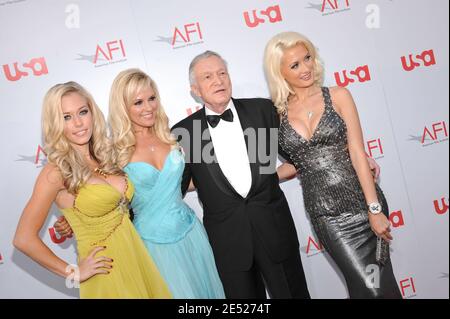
[375,208]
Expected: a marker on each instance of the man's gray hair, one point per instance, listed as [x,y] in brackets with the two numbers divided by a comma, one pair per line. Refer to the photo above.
[198,58]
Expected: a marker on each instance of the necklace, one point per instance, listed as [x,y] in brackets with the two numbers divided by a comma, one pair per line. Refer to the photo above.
[308,112]
[101,172]
[153,143]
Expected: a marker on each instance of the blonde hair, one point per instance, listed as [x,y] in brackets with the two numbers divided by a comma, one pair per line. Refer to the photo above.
[72,166]
[125,87]
[280,90]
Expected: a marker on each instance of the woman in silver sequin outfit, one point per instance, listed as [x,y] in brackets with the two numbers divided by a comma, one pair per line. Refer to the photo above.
[320,134]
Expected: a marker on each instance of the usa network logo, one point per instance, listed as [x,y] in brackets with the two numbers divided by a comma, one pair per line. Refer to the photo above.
[360,74]
[271,14]
[328,7]
[441,206]
[56,238]
[184,36]
[36,66]
[106,53]
[432,134]
[39,158]
[396,218]
[425,59]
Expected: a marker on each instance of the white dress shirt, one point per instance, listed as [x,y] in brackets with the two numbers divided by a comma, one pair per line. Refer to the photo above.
[231,151]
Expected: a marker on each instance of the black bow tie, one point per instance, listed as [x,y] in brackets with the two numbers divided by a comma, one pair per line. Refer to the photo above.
[214,120]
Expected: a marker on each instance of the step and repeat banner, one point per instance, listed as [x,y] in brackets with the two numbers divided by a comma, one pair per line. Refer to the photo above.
[393,55]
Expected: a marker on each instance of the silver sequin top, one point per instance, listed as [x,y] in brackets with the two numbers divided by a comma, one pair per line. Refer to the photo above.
[330,184]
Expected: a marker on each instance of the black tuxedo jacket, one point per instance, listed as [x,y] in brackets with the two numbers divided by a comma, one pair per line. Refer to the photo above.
[231,221]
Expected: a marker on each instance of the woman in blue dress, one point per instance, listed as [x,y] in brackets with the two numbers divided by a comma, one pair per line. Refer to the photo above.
[146,151]
[154,162]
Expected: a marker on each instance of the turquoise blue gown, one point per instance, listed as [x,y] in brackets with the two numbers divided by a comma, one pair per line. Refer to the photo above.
[172,233]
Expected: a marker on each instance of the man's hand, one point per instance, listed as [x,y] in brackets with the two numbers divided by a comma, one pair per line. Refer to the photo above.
[62,227]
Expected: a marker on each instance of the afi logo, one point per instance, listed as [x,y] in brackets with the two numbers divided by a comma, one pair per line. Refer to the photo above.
[438,130]
[187,33]
[396,219]
[272,13]
[427,58]
[108,51]
[55,238]
[39,152]
[39,159]
[408,287]
[37,65]
[375,148]
[334,4]
[441,207]
[318,247]
[362,74]
[192,110]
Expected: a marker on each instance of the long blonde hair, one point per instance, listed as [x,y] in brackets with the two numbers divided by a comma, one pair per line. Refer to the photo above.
[125,87]
[60,152]
[280,90]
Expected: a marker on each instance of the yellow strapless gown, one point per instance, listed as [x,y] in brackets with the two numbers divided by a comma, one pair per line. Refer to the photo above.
[100,217]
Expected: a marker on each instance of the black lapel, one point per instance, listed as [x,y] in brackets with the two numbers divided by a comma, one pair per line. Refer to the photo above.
[246,122]
[214,168]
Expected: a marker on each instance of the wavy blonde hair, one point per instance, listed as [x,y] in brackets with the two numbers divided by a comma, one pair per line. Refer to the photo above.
[60,152]
[280,90]
[125,87]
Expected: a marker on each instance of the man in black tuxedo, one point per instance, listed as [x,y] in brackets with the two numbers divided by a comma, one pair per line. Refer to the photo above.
[231,150]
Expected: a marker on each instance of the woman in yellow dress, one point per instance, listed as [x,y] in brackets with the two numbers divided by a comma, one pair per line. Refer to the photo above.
[93,195]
